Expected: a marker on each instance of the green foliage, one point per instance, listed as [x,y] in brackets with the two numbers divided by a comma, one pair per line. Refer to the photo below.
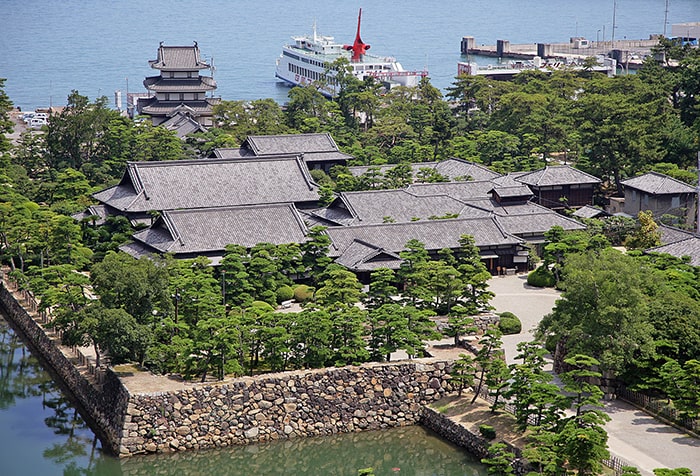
[284,293]
[487,431]
[303,293]
[509,324]
[672,472]
[500,460]
[541,277]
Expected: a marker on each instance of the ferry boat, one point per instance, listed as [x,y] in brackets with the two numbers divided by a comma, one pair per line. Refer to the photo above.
[308,60]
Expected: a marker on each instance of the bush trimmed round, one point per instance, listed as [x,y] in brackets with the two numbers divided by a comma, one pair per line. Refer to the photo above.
[303,293]
[509,324]
[541,278]
[487,431]
[284,293]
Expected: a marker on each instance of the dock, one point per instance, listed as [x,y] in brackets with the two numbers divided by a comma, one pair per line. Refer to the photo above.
[628,54]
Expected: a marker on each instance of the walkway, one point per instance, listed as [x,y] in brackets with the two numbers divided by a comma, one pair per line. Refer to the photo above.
[633,435]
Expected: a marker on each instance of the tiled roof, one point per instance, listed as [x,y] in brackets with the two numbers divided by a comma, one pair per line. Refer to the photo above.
[434,234]
[361,256]
[459,190]
[182,184]
[670,234]
[399,205]
[291,144]
[182,124]
[155,107]
[688,247]
[513,192]
[509,180]
[211,229]
[537,223]
[452,168]
[557,175]
[178,58]
[180,85]
[655,183]
[230,153]
[589,211]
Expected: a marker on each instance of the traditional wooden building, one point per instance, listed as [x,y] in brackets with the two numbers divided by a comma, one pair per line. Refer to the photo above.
[179,93]
[319,151]
[559,187]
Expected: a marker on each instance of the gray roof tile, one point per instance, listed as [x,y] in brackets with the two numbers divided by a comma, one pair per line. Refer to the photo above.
[655,183]
[178,58]
[183,184]
[688,247]
[211,229]
[453,168]
[291,144]
[460,190]
[434,234]
[557,175]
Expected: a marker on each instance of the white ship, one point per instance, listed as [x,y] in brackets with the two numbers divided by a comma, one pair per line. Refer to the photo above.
[308,60]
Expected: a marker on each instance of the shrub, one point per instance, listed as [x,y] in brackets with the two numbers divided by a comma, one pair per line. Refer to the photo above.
[487,431]
[509,324]
[262,305]
[284,293]
[541,278]
[303,293]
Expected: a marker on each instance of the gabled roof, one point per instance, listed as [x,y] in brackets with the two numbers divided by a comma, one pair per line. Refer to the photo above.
[521,191]
[178,58]
[557,175]
[155,107]
[460,190]
[290,144]
[361,256]
[671,234]
[209,230]
[379,206]
[537,223]
[509,180]
[655,183]
[688,247]
[183,124]
[589,211]
[170,185]
[434,234]
[453,169]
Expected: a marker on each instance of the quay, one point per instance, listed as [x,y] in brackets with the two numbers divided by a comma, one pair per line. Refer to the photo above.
[627,53]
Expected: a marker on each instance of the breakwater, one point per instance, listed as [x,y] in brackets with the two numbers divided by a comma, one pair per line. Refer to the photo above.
[238,411]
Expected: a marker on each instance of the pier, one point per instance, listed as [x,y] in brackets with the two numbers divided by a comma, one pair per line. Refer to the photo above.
[628,54]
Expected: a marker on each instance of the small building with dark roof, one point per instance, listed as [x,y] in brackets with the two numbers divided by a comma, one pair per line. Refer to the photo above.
[179,92]
[688,247]
[660,194]
[561,186]
[319,151]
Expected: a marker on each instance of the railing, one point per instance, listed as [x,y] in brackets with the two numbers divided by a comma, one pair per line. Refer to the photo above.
[659,408]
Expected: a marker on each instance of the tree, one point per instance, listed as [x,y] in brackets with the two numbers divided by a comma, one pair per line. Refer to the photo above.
[5,122]
[500,460]
[490,349]
[413,272]
[646,235]
[463,373]
[602,312]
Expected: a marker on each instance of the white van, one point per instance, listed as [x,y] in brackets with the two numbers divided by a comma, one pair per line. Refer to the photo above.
[37,122]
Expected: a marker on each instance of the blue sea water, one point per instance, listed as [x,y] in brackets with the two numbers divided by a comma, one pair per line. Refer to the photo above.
[49,47]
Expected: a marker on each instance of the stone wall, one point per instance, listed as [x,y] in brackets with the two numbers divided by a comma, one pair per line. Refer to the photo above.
[103,405]
[246,410]
[463,437]
[285,405]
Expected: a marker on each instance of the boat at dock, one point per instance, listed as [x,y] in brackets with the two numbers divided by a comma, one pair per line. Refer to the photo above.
[310,59]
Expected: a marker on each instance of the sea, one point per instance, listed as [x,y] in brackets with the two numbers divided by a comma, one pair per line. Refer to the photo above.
[49,48]
[97,47]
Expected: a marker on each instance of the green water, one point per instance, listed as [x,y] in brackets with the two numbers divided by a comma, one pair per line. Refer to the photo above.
[41,432]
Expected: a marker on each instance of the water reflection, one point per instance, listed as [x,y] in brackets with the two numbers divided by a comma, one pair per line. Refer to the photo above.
[43,433]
